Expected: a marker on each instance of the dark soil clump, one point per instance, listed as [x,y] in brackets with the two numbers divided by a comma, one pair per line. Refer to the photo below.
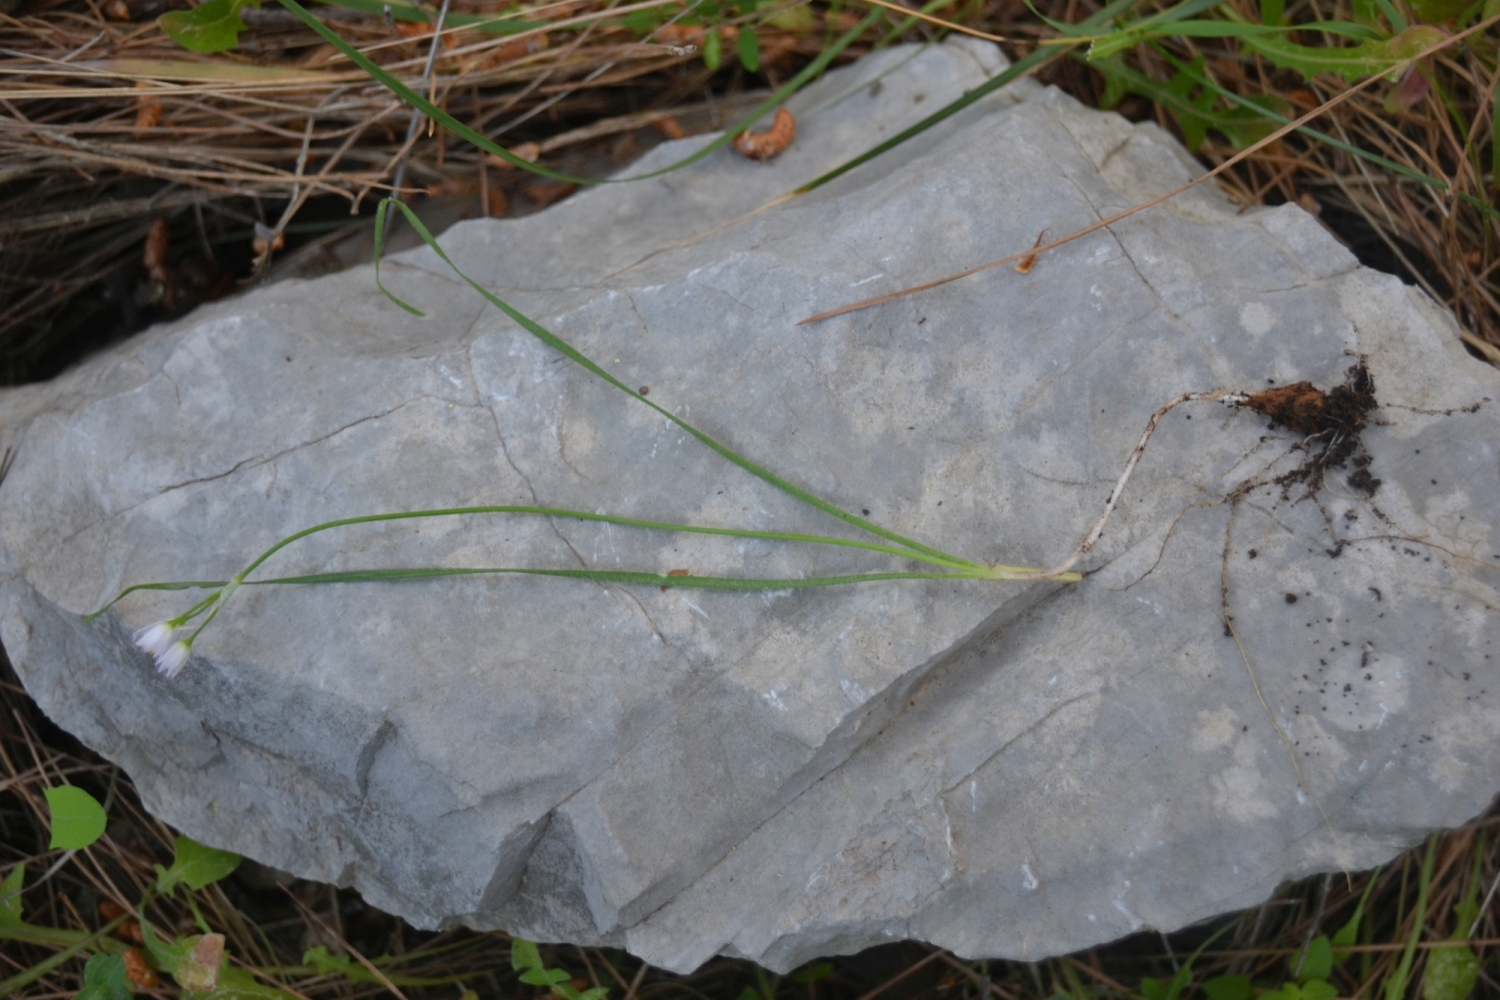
[1331,422]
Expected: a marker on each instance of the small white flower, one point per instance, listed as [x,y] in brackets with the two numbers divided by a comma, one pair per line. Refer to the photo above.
[171,660]
[155,639]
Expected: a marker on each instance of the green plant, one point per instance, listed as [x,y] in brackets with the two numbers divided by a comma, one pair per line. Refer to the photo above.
[526,959]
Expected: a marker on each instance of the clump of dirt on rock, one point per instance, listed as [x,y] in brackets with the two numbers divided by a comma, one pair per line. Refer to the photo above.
[1331,423]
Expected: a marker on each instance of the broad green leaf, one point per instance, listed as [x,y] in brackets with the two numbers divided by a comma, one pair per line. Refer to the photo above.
[1272,11]
[195,866]
[10,896]
[210,27]
[166,955]
[104,979]
[1153,988]
[1227,988]
[749,47]
[1368,58]
[1451,974]
[1367,12]
[713,50]
[1319,989]
[77,817]
[523,953]
[1317,962]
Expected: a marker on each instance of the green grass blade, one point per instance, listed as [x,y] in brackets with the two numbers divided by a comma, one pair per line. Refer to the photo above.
[1395,987]
[463,131]
[1030,63]
[573,354]
[615,576]
[1312,133]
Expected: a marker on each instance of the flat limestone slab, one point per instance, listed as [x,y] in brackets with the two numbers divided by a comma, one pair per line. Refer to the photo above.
[998,768]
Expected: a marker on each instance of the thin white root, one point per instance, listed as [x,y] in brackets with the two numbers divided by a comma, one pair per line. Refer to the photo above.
[1216,396]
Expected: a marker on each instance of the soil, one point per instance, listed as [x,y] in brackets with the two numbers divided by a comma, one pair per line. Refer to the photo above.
[1331,422]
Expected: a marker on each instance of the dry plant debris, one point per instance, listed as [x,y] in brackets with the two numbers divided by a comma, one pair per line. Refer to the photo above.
[770,143]
[107,125]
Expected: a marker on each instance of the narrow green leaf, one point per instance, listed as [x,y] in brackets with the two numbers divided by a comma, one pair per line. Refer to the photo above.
[10,896]
[1272,11]
[1227,988]
[1451,974]
[195,866]
[210,27]
[538,977]
[749,46]
[563,347]
[1395,985]
[104,979]
[1392,14]
[77,817]
[713,50]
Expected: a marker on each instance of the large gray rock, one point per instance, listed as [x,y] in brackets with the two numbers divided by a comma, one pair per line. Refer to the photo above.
[999,768]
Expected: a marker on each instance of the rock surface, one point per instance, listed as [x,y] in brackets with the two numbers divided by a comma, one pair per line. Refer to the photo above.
[998,768]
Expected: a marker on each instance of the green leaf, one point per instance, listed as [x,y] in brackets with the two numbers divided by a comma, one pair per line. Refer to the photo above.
[1272,11]
[210,27]
[524,955]
[195,866]
[165,955]
[1367,12]
[713,50]
[749,46]
[1319,989]
[104,979]
[77,817]
[1227,988]
[336,965]
[594,993]
[1317,960]
[10,896]
[1451,974]
[1368,58]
